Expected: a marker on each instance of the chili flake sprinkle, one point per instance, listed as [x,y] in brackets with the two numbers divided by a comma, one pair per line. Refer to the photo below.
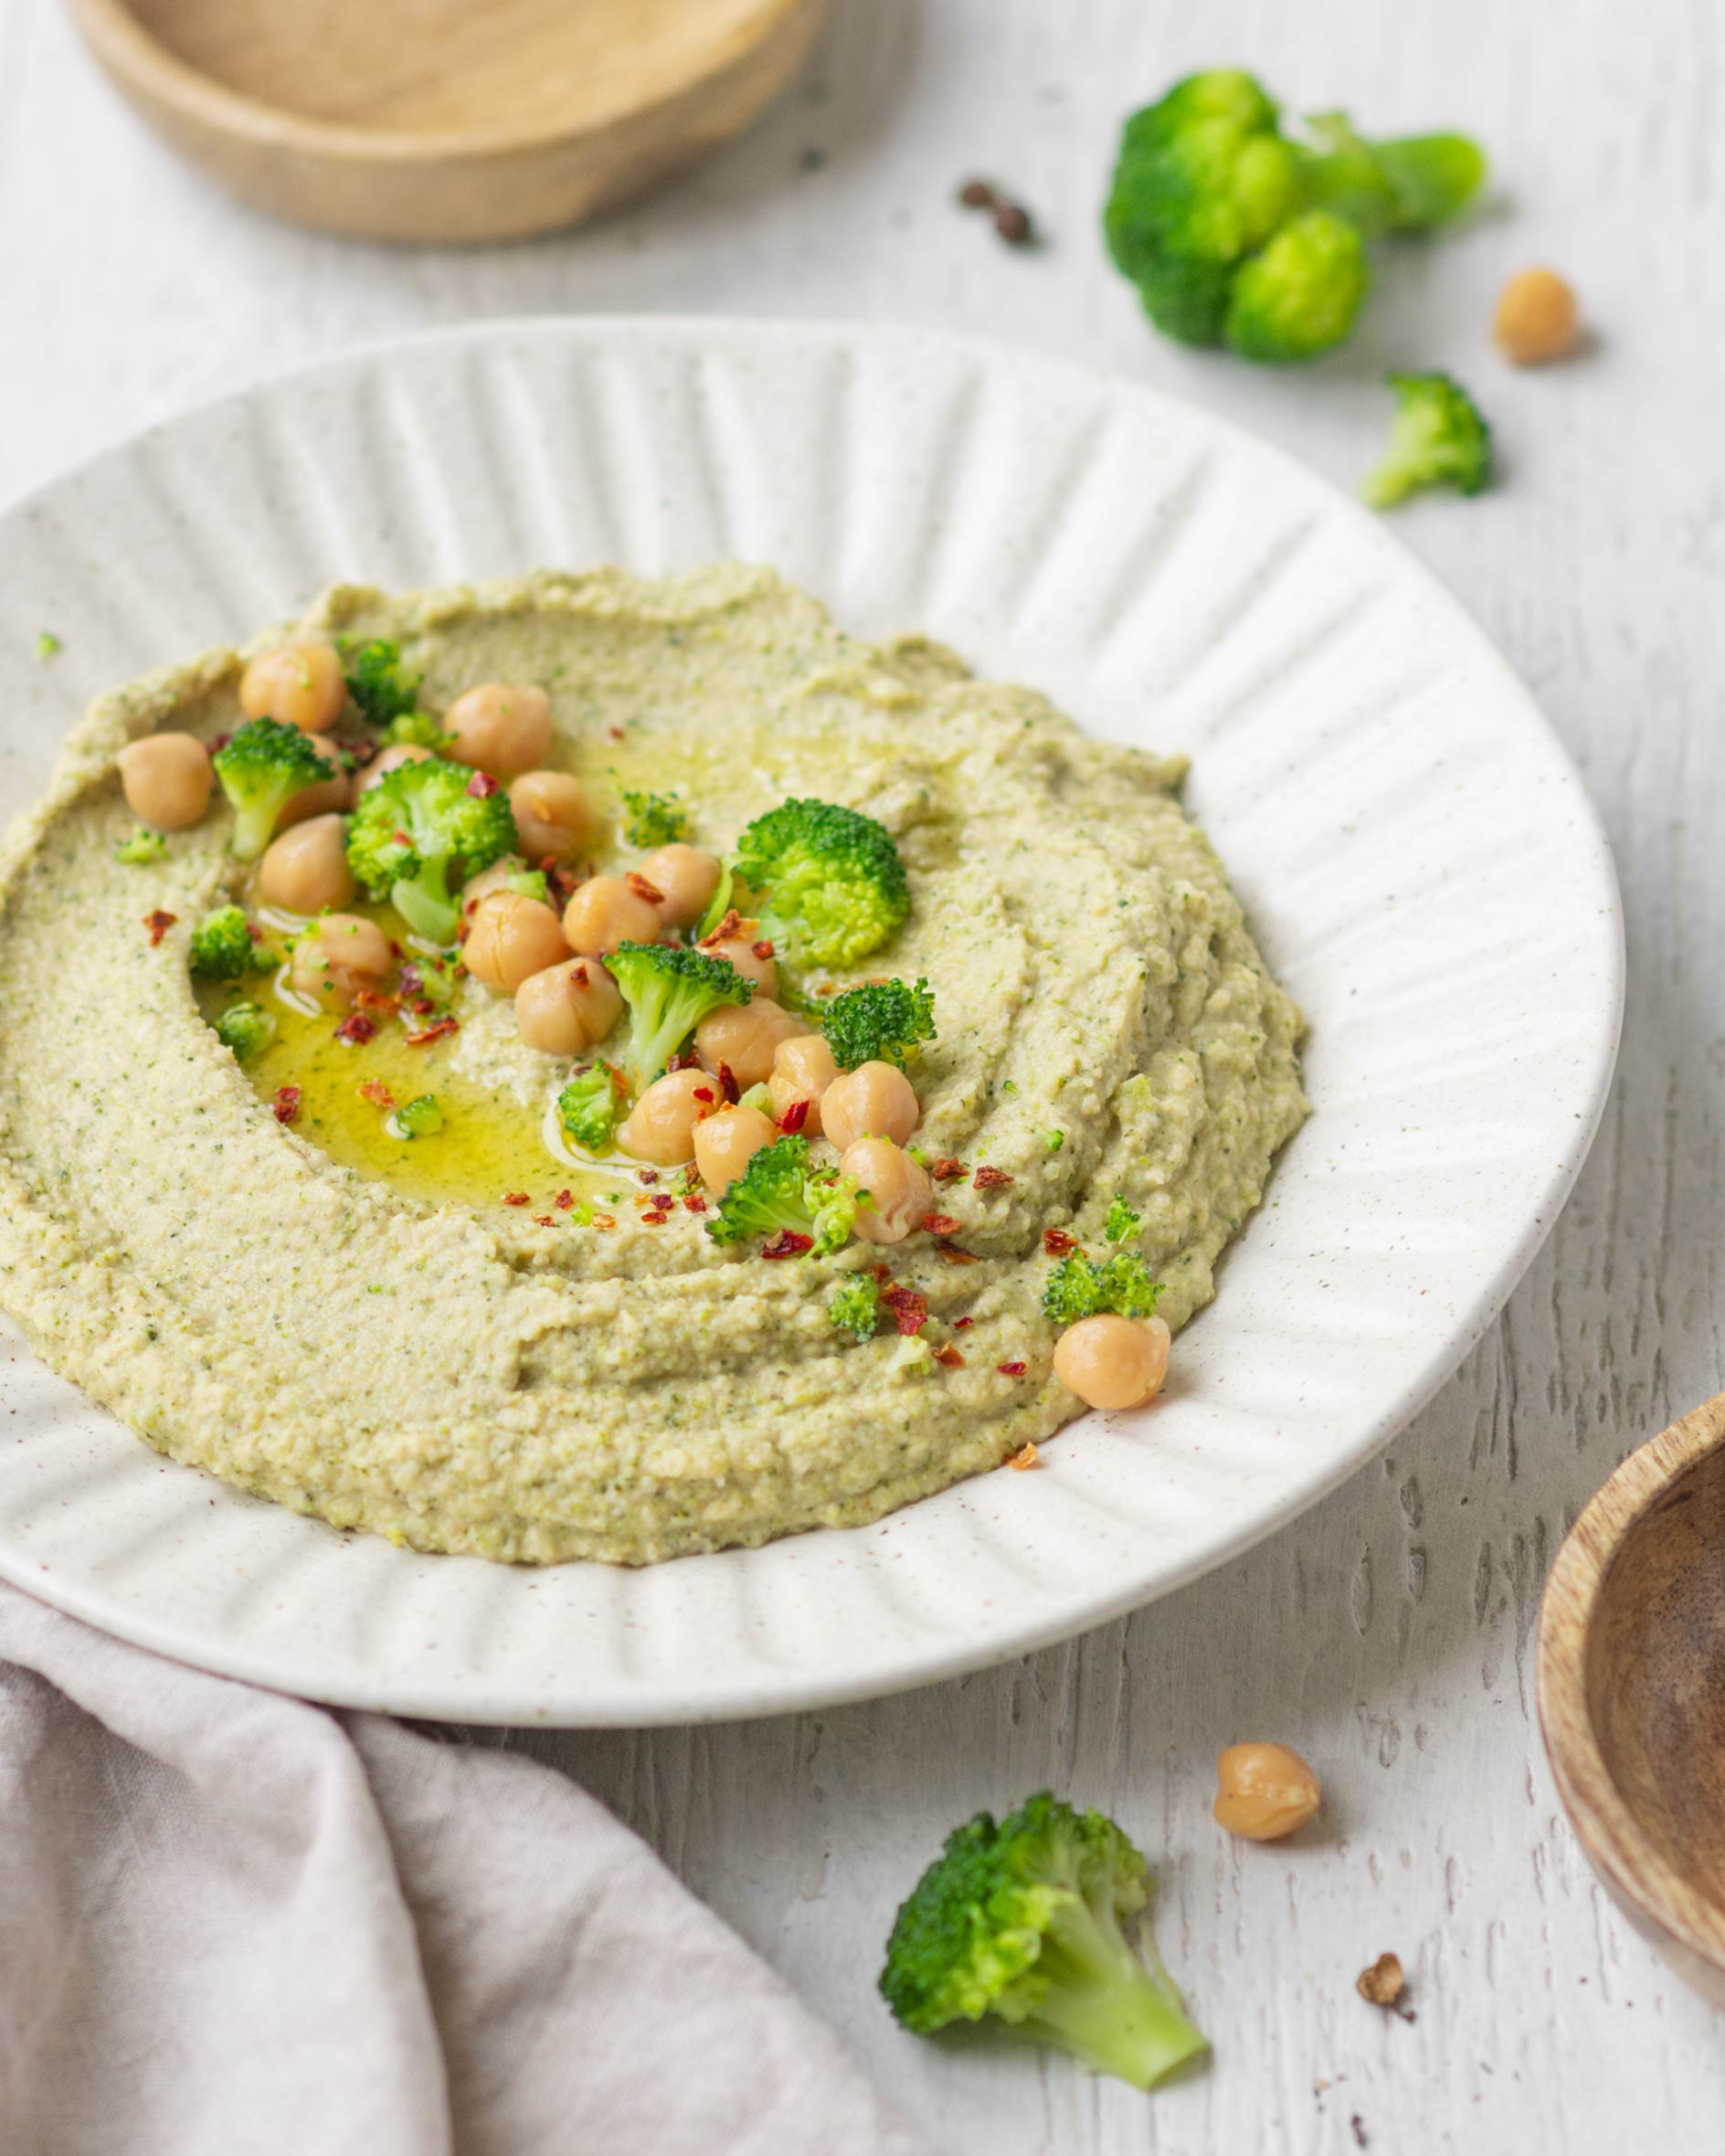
[727,928]
[642,888]
[651,1218]
[482,785]
[793,1119]
[543,1220]
[1012,1369]
[764,949]
[286,1103]
[949,1169]
[705,1094]
[647,1175]
[788,1243]
[954,1255]
[939,1223]
[991,1178]
[375,1091]
[948,1357]
[436,1032]
[910,1310]
[158,924]
[728,1086]
[1057,1242]
[356,1029]
[695,1202]
[563,1200]
[516,1198]
[958,1324]
[1024,1457]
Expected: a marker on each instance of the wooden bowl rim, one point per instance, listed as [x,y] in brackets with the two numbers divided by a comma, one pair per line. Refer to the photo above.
[1609,1832]
[134,52]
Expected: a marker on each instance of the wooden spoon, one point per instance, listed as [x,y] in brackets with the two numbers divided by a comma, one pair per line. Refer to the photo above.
[1631,1690]
[446,119]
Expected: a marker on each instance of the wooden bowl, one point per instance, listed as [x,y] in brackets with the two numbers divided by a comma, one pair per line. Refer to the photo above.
[1631,1690]
[446,119]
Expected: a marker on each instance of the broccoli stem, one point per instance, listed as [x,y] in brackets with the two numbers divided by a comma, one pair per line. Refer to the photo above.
[1405,186]
[424,902]
[1105,2006]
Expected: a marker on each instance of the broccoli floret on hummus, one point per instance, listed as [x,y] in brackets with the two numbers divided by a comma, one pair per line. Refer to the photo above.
[668,991]
[414,825]
[385,691]
[795,1206]
[854,1305]
[829,880]
[590,1104]
[247,1028]
[140,847]
[878,1023]
[1077,1289]
[655,819]
[1122,1222]
[223,947]
[260,768]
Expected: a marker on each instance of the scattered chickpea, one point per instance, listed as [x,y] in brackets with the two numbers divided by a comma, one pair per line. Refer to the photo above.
[300,685]
[661,1127]
[306,868]
[387,760]
[803,1069]
[339,954]
[605,912]
[328,795]
[740,952]
[508,938]
[1538,318]
[725,1143]
[1113,1362]
[747,1037]
[553,815]
[688,877]
[502,727]
[875,1100]
[165,778]
[899,1186]
[565,1008]
[1264,1792]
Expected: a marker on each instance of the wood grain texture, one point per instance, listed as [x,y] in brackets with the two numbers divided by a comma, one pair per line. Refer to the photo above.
[1389,1634]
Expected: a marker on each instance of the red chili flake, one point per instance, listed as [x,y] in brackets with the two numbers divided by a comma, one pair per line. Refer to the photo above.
[695,1202]
[954,1255]
[1012,1369]
[253,931]
[706,1094]
[357,1030]
[374,1000]
[638,884]
[1025,1455]
[542,1220]
[158,924]
[286,1105]
[728,1086]
[396,949]
[401,838]
[463,929]
[764,949]
[516,1198]
[991,1178]
[375,1091]
[882,1275]
[363,752]
[958,1324]
[727,928]
[559,881]
[482,785]
[1057,1242]
[563,1200]
[788,1243]
[578,973]
[794,1117]
[949,1356]
[939,1223]
[603,1220]
[615,733]
[658,1220]
[948,1169]
[681,1062]
[910,1310]
[217,743]
[646,1175]
[435,1032]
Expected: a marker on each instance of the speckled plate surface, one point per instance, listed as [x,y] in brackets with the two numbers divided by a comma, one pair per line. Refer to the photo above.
[1415,853]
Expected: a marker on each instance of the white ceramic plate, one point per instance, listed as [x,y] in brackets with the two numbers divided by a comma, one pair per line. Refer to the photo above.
[1413,847]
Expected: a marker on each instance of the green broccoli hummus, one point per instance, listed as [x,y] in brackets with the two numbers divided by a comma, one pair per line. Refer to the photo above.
[456,1330]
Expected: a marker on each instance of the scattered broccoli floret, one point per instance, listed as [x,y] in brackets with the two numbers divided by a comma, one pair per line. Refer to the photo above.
[418,729]
[1076,1288]
[854,1305]
[413,825]
[780,1193]
[829,881]
[655,819]
[1053,1140]
[263,764]
[426,979]
[384,690]
[591,1105]
[224,948]
[1122,1222]
[47,645]
[757,1096]
[1023,1921]
[1206,185]
[142,846]
[246,1029]
[668,991]
[527,883]
[877,1022]
[421,1117]
[1439,438]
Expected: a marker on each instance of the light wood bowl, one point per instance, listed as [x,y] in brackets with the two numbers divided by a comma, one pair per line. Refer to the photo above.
[1631,1690]
[446,119]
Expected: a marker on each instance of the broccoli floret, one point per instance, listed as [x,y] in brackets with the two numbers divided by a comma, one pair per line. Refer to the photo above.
[779,1193]
[429,980]
[263,764]
[1300,295]
[421,1117]
[1023,1921]
[591,1104]
[224,948]
[1122,1222]
[142,846]
[668,991]
[855,1305]
[830,879]
[1439,438]
[414,825]
[877,1022]
[246,1029]
[418,729]
[1076,1288]
[384,690]
[655,819]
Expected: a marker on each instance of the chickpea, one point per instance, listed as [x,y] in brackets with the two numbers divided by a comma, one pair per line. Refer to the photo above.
[552,816]
[741,954]
[727,1142]
[1536,319]
[898,1185]
[661,1127]
[165,778]
[300,684]
[875,1100]
[502,727]
[688,879]
[508,938]
[387,760]
[605,912]
[1264,1792]
[324,797]
[1113,1362]
[565,1008]
[746,1037]
[802,1071]
[338,954]
[306,868]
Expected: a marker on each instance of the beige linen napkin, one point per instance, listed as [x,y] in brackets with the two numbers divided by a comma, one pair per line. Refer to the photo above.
[233,1924]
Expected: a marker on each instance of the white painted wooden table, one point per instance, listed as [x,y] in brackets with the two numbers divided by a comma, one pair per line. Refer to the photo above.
[1387,1634]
